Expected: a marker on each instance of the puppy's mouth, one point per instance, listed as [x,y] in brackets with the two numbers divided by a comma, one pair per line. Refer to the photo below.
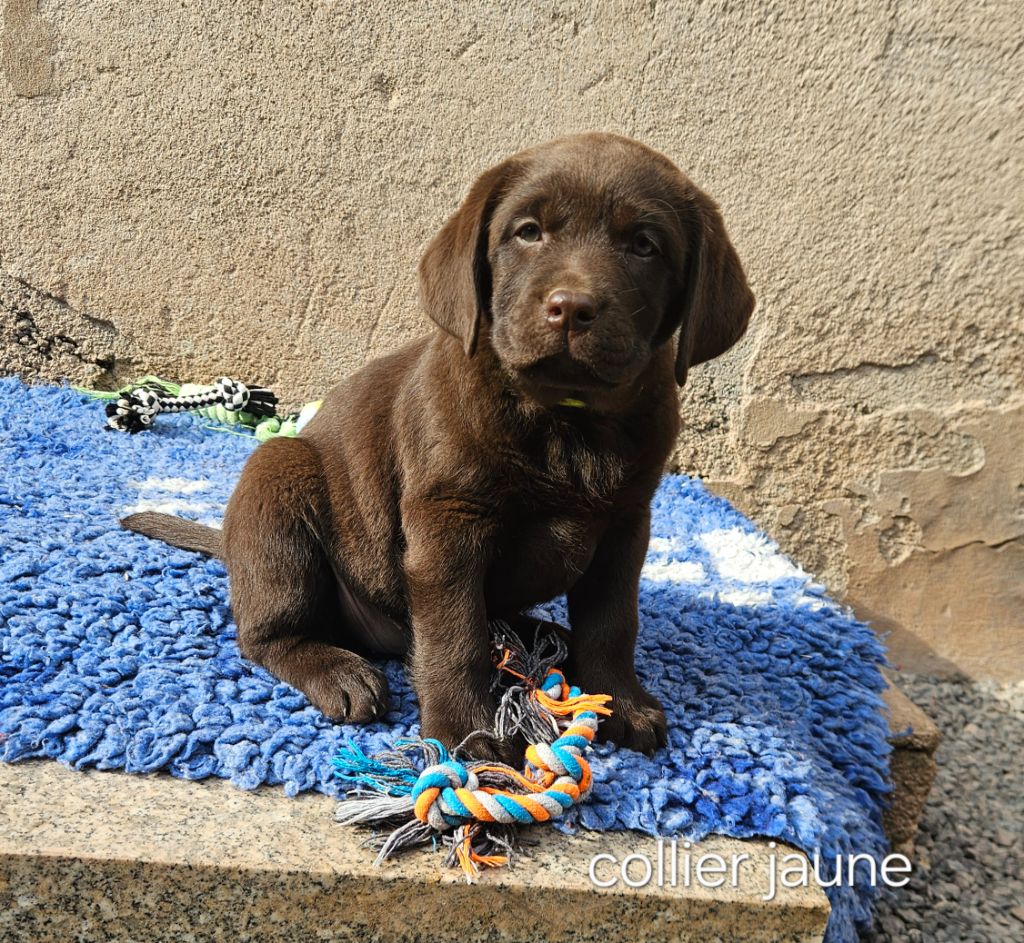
[562,373]
[552,365]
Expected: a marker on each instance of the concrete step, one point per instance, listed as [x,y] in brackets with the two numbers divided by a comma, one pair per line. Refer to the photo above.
[914,738]
[105,856]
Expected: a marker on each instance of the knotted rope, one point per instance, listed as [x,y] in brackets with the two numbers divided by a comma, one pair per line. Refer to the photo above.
[134,409]
[450,794]
[421,790]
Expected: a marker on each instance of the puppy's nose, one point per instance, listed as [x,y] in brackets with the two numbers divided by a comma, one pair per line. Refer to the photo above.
[570,310]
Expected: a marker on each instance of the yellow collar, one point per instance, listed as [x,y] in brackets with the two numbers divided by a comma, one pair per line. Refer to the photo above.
[575,403]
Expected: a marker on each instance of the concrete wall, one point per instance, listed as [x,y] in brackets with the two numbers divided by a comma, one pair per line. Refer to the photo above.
[204,188]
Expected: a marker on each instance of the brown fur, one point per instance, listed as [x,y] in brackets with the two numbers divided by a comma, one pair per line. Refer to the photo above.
[445,485]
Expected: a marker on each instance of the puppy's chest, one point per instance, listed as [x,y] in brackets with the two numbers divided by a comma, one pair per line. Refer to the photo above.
[559,496]
[539,555]
[565,472]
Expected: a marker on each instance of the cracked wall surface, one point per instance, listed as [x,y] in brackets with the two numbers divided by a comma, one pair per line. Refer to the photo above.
[209,188]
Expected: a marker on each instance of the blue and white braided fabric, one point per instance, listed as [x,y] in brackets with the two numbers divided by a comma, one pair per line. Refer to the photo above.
[117,652]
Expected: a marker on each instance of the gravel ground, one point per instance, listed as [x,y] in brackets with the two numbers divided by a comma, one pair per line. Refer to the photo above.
[968,879]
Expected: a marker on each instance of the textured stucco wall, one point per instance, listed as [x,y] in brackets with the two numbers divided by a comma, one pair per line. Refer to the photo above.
[204,188]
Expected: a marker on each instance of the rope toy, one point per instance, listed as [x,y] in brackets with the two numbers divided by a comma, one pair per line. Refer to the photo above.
[228,404]
[135,410]
[422,791]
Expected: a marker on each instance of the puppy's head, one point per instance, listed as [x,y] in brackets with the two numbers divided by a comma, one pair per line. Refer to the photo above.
[578,260]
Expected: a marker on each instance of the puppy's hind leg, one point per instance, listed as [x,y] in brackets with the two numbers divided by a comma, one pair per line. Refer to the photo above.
[283,589]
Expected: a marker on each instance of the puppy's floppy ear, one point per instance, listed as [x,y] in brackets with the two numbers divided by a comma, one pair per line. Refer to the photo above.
[455,276]
[716,300]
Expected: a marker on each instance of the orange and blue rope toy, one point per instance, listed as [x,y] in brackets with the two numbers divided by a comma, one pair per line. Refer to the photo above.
[422,791]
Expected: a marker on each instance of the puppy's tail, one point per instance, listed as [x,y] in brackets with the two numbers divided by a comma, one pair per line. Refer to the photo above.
[176,531]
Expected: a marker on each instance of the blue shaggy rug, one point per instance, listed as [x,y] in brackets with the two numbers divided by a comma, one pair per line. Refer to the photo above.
[117,652]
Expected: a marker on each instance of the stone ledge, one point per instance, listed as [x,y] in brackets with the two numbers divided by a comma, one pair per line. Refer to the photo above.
[914,738]
[911,728]
[105,856]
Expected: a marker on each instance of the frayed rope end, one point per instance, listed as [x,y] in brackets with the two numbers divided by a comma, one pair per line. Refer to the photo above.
[419,790]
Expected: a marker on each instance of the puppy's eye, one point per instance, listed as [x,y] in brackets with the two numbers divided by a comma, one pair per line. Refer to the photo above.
[643,245]
[528,232]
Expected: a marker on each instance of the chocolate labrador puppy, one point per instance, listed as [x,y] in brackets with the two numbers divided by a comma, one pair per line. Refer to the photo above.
[505,459]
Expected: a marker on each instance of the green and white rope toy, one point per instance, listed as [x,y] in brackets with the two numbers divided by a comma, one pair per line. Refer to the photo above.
[227,403]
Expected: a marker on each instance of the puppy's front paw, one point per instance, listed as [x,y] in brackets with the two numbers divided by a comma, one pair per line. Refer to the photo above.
[348,689]
[470,730]
[486,746]
[637,722]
